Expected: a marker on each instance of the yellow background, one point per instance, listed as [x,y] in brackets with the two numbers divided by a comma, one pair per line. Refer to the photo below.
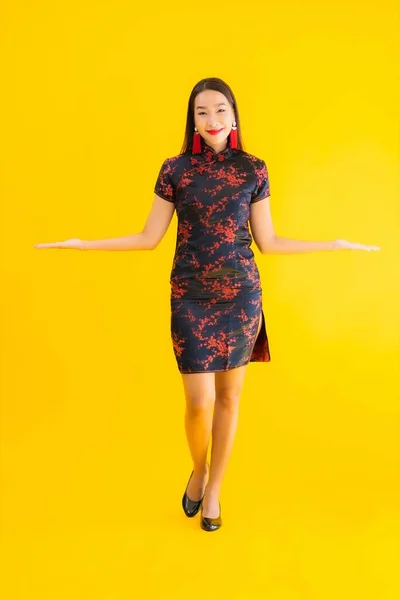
[94,455]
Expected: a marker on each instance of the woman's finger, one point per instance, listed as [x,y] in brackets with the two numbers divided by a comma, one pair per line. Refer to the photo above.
[346,245]
[49,245]
[369,248]
[71,244]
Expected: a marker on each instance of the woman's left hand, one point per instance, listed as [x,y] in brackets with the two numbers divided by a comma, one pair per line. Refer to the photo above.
[345,245]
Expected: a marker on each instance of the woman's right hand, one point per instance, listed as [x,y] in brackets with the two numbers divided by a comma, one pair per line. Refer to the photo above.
[72,244]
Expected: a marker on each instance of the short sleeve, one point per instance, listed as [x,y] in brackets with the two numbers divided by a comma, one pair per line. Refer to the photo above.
[163,186]
[262,189]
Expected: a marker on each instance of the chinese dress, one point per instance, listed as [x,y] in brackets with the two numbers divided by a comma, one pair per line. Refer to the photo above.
[216,294]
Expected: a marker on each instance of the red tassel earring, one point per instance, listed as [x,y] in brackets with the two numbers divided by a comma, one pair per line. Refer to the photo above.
[196,147]
[233,136]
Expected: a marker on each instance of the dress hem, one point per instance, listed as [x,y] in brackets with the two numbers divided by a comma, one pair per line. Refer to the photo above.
[222,370]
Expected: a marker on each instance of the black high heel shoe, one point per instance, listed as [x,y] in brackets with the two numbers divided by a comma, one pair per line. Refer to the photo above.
[190,507]
[210,523]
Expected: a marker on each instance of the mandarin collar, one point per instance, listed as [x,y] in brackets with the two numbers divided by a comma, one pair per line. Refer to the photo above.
[210,154]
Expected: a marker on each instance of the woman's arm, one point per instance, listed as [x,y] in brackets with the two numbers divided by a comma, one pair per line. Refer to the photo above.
[268,242]
[152,233]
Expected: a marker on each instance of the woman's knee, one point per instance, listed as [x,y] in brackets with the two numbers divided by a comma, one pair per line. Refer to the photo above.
[199,405]
[228,398]
[199,392]
[228,387]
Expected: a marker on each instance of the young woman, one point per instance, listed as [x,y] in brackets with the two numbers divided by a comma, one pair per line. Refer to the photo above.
[217,321]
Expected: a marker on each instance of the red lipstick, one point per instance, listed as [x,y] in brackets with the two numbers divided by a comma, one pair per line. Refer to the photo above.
[215,131]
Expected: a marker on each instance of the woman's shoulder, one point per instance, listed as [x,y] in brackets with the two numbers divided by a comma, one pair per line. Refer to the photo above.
[173,162]
[251,158]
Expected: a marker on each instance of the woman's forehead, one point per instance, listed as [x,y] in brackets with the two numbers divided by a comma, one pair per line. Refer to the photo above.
[210,98]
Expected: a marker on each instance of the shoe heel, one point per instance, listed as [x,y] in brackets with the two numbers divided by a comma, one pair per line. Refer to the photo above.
[190,507]
[210,523]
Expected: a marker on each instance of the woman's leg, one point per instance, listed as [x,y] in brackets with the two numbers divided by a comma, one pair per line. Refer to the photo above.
[228,388]
[200,398]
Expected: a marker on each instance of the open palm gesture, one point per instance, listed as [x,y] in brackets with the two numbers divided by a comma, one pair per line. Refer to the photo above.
[72,244]
[345,245]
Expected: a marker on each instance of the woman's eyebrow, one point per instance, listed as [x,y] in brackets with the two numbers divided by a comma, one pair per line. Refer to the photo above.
[219,104]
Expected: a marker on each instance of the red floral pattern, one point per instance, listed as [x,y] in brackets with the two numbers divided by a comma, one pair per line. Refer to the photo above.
[216,294]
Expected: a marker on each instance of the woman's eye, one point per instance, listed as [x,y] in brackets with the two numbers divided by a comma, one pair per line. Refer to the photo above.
[203,113]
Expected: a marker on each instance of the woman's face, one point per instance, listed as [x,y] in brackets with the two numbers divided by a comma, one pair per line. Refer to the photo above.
[212,112]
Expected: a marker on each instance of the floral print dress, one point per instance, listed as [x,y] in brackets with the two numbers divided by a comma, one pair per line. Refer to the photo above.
[216,294]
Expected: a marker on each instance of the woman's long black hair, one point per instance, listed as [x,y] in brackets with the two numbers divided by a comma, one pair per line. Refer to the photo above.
[216,84]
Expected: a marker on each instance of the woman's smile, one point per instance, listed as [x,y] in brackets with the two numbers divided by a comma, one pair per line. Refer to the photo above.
[215,131]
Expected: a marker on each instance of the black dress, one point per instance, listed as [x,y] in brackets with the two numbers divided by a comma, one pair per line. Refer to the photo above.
[216,295]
